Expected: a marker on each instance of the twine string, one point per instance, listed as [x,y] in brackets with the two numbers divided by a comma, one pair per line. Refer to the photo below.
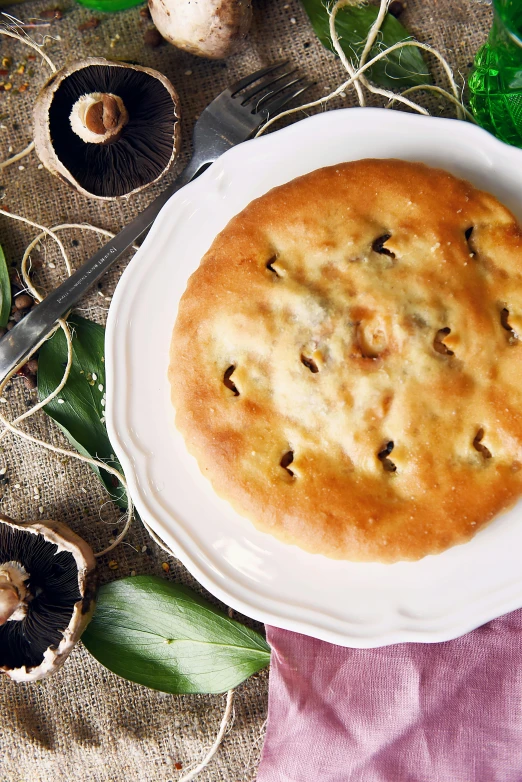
[357,75]
[11,426]
[11,31]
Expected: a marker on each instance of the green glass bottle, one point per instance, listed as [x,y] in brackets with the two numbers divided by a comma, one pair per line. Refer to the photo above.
[496,80]
[110,6]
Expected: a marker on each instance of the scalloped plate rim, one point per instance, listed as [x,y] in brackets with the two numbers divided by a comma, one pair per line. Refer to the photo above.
[395,626]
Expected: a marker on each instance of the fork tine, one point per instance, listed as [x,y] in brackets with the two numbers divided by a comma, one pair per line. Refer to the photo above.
[273,107]
[268,82]
[258,105]
[246,81]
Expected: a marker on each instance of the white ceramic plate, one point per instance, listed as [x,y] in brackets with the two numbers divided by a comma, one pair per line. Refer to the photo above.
[360,605]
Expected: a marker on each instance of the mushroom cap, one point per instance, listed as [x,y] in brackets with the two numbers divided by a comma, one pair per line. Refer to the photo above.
[207,28]
[140,155]
[62,584]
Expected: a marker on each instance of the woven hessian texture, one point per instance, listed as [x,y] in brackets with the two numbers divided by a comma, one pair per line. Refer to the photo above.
[85,723]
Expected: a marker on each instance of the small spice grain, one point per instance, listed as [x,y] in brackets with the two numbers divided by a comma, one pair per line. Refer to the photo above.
[396,7]
[90,24]
[153,38]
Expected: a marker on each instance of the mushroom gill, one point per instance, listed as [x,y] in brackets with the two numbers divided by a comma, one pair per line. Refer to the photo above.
[109,129]
[46,596]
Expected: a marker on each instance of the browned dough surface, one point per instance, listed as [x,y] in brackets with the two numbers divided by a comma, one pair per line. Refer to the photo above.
[344,343]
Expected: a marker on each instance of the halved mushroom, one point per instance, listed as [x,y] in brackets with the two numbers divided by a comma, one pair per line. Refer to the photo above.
[47,590]
[107,128]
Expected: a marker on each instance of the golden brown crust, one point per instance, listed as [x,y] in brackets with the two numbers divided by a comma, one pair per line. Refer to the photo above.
[340,347]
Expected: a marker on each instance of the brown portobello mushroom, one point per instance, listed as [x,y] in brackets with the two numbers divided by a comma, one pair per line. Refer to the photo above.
[109,129]
[47,596]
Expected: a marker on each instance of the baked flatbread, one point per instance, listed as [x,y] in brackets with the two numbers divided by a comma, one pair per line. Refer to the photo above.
[346,364]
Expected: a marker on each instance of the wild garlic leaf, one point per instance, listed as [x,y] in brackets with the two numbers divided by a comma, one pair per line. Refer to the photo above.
[168,638]
[400,69]
[78,410]
[5,291]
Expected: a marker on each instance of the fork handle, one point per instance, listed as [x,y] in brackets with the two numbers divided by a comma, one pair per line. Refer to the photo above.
[19,342]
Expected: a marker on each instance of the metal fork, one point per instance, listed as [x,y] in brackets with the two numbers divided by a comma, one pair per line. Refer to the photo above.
[231,118]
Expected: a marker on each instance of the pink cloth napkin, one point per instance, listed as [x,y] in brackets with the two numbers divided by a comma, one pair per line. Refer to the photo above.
[446,712]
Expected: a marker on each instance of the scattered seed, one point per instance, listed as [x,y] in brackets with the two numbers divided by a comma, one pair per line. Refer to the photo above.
[143,549]
[113,565]
[23,301]
[3,400]
[188,73]
[133,572]
[153,38]
[40,166]
[41,510]
[396,8]
[94,376]
[51,13]
[61,401]
[21,168]
[90,24]
[16,486]
[293,20]
[3,471]
[165,567]
[51,265]
[30,382]
[100,387]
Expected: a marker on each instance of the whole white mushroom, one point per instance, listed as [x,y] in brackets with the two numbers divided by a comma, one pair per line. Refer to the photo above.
[206,28]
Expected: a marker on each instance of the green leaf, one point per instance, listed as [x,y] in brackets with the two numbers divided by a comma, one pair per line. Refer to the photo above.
[78,409]
[402,68]
[5,291]
[168,638]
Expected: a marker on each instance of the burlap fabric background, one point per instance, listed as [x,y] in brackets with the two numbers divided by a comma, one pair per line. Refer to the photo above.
[85,723]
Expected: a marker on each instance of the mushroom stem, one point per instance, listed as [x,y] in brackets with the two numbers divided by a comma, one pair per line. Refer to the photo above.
[99,117]
[13,592]
[9,602]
